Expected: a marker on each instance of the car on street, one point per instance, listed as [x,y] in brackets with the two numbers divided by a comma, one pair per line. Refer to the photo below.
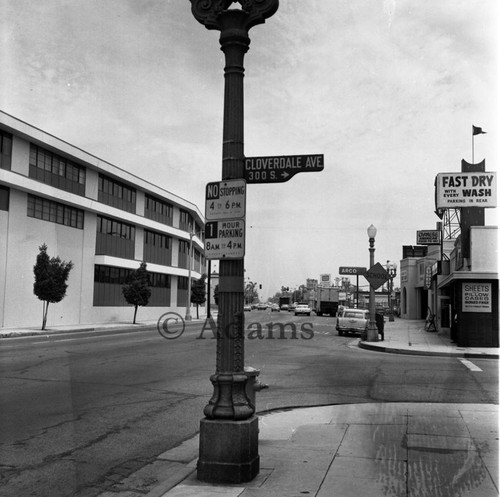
[284,307]
[275,308]
[261,307]
[291,307]
[302,309]
[247,307]
[352,321]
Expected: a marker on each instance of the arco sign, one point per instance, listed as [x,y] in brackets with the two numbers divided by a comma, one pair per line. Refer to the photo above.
[353,271]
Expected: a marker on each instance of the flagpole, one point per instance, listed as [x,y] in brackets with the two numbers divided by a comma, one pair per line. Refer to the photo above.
[472,144]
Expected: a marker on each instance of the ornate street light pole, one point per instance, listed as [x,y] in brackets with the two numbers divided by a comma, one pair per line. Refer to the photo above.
[392,270]
[372,332]
[229,433]
[188,317]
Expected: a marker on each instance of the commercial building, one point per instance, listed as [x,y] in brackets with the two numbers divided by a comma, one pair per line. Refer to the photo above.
[453,284]
[102,218]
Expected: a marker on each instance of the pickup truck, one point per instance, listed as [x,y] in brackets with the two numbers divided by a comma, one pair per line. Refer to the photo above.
[352,321]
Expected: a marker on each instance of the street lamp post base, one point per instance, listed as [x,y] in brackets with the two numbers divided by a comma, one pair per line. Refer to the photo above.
[229,450]
[372,334]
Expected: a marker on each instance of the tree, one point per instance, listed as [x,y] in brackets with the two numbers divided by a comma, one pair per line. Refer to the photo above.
[199,293]
[50,284]
[136,291]
[251,294]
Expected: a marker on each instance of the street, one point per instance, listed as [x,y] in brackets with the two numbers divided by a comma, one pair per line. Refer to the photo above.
[80,407]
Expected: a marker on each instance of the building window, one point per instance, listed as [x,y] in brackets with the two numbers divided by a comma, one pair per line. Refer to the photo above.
[199,231]
[5,150]
[157,248]
[56,171]
[197,261]
[4,198]
[159,210]
[182,290]
[160,289]
[116,194]
[185,220]
[115,238]
[109,281]
[55,212]
[183,254]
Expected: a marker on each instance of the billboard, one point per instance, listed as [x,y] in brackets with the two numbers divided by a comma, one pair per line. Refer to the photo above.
[428,237]
[476,297]
[456,190]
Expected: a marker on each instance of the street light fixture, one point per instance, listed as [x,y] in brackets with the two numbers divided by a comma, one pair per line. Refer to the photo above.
[372,331]
[188,305]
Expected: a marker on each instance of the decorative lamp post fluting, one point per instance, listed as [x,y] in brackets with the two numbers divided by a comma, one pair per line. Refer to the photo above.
[372,331]
[229,432]
[392,270]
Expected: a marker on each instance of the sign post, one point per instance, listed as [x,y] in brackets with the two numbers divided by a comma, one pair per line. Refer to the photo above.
[229,432]
[347,270]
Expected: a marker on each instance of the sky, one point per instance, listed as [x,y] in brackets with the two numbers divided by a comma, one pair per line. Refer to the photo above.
[386,90]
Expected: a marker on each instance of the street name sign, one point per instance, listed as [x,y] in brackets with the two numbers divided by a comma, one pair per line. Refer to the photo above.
[352,270]
[377,276]
[281,168]
[225,239]
[225,199]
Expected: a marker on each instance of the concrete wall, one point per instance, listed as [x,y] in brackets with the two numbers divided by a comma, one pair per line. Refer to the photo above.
[484,249]
[23,239]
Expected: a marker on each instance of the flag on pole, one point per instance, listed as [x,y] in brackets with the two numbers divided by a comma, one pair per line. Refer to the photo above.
[477,131]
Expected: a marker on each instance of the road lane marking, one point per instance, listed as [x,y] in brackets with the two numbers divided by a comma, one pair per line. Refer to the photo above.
[470,365]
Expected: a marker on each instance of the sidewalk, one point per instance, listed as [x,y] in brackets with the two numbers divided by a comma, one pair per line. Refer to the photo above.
[357,450]
[404,336]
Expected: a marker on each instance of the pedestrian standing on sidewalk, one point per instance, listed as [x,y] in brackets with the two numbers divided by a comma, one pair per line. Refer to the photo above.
[379,321]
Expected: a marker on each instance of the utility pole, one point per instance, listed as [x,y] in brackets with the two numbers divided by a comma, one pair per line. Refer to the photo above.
[229,432]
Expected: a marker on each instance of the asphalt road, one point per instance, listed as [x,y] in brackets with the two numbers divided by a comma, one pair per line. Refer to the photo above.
[77,408]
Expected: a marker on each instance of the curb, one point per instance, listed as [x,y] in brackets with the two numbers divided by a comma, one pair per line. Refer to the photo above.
[468,355]
[14,334]
[121,326]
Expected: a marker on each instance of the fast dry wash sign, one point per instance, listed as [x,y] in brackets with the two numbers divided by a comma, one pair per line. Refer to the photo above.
[455,190]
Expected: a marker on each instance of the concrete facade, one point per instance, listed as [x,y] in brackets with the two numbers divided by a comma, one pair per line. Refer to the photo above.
[21,235]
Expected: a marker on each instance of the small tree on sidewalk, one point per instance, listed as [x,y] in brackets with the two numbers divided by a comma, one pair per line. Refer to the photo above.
[50,284]
[199,293]
[136,291]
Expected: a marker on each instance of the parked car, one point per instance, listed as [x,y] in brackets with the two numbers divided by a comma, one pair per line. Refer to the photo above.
[352,321]
[291,307]
[261,307]
[275,307]
[247,307]
[284,307]
[302,309]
